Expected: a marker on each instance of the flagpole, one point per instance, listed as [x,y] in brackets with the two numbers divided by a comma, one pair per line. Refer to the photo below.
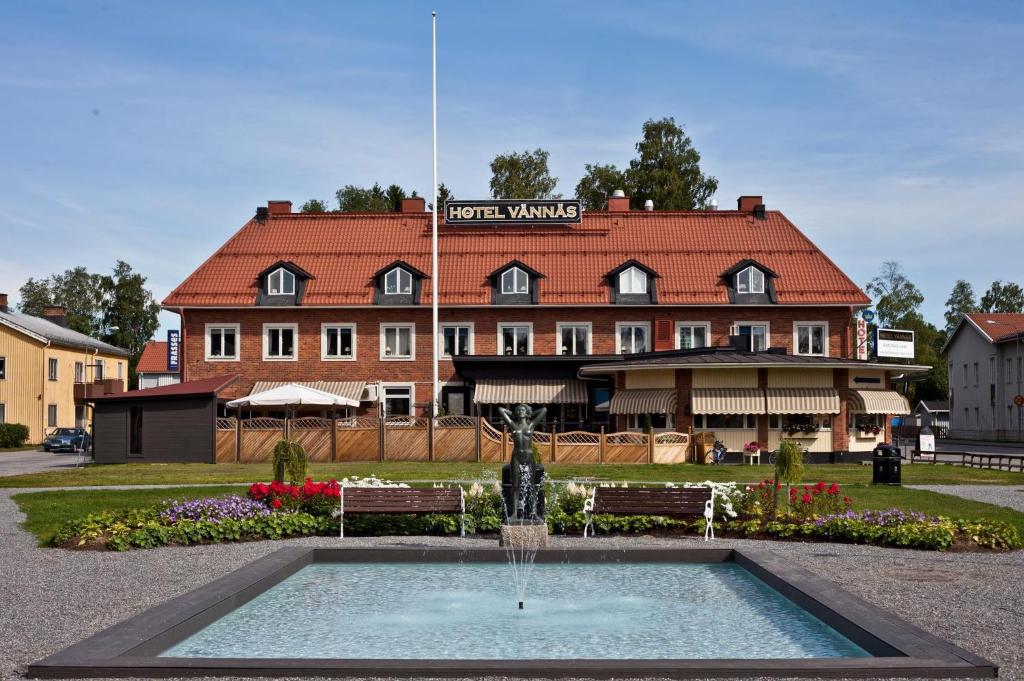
[436,284]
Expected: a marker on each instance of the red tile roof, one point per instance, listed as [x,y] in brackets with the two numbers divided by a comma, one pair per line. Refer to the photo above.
[999,326]
[206,386]
[154,359]
[689,250]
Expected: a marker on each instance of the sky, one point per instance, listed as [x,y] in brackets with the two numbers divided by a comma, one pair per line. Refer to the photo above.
[149,132]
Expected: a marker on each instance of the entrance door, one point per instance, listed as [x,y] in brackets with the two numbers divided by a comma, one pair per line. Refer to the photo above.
[456,404]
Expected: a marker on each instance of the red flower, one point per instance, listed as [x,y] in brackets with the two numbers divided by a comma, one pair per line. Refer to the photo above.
[847,500]
[820,486]
[833,489]
[276,503]
[792,492]
[807,488]
[808,499]
[761,485]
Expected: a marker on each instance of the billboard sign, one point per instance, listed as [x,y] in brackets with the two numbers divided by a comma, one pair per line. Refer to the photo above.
[173,349]
[513,212]
[894,343]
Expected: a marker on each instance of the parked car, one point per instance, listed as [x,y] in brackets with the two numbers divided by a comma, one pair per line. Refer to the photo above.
[66,440]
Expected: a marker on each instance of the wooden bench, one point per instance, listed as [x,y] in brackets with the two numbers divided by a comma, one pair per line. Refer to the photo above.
[403,500]
[670,502]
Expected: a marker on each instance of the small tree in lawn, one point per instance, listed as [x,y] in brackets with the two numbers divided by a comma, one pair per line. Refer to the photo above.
[289,457]
[789,468]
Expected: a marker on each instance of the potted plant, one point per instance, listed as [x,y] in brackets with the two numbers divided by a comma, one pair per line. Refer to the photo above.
[752,447]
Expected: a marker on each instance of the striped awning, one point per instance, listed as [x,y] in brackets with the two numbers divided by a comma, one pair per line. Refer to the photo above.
[728,401]
[802,400]
[353,390]
[661,401]
[879,402]
[529,391]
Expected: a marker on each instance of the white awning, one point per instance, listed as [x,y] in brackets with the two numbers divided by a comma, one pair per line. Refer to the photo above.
[802,400]
[529,391]
[728,401]
[352,390]
[661,401]
[292,395]
[879,402]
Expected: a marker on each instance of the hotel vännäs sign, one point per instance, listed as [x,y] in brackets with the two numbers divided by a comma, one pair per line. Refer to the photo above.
[512,212]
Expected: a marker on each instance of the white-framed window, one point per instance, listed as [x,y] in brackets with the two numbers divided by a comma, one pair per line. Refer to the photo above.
[51,416]
[100,370]
[656,422]
[281,342]
[810,338]
[3,368]
[633,280]
[515,280]
[758,333]
[787,422]
[725,421]
[750,280]
[977,375]
[79,372]
[691,335]
[120,371]
[574,338]
[965,375]
[1009,370]
[281,282]
[515,338]
[397,399]
[632,337]
[337,342]
[398,282]
[51,368]
[398,341]
[222,341]
[456,338]
[3,413]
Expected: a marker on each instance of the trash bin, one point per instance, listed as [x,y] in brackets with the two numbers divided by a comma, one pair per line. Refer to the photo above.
[886,462]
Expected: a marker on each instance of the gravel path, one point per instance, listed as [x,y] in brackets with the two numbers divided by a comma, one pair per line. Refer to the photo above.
[1000,495]
[51,598]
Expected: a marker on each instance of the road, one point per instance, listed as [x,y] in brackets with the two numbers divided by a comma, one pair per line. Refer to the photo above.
[34,461]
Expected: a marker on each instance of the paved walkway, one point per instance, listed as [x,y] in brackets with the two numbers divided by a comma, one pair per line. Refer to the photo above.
[1011,496]
[34,461]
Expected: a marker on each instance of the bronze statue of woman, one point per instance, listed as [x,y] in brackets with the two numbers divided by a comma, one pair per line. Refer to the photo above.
[521,479]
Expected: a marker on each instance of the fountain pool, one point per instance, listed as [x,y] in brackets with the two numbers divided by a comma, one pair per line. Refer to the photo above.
[438,612]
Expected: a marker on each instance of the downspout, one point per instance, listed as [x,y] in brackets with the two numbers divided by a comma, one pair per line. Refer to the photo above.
[42,389]
[181,347]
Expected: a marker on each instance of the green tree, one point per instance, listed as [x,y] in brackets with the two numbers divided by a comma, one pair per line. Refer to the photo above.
[598,183]
[444,195]
[961,301]
[78,291]
[314,206]
[130,312]
[395,194]
[359,199]
[522,176]
[667,170]
[789,467]
[1000,297]
[897,298]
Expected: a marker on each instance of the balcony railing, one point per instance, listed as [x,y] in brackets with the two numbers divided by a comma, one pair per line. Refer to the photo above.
[99,388]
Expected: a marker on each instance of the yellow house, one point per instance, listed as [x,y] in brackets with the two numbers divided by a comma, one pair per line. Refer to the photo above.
[47,371]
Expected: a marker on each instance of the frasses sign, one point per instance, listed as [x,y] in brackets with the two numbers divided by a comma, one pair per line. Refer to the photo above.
[173,348]
[513,212]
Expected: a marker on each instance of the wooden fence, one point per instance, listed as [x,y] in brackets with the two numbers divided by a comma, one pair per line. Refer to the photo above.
[447,438]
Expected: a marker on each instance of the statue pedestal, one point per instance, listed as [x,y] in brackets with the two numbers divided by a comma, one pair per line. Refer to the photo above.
[524,536]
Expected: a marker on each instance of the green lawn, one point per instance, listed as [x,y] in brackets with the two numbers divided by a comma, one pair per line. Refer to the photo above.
[191,474]
[46,511]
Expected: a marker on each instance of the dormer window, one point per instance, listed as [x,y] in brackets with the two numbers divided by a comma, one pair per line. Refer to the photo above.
[515,280]
[398,282]
[633,281]
[750,280]
[281,283]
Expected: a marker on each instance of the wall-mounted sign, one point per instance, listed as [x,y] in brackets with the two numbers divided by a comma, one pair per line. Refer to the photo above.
[173,348]
[867,315]
[1019,400]
[862,339]
[512,212]
[894,343]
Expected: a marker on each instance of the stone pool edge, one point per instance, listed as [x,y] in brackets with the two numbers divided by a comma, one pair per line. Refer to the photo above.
[130,648]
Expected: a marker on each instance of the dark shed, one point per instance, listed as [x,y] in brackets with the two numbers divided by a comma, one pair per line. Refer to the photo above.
[172,423]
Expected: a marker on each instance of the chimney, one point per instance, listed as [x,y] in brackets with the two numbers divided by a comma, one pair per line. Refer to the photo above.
[56,314]
[747,204]
[618,202]
[3,303]
[279,207]
[414,204]
[261,214]
[648,205]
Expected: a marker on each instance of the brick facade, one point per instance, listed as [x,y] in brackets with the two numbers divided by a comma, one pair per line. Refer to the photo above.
[368,365]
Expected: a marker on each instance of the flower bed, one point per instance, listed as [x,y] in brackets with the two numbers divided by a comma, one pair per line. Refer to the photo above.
[819,512]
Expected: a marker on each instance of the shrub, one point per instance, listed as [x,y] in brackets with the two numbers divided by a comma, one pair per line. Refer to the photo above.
[818,500]
[231,507]
[13,435]
[317,498]
[789,464]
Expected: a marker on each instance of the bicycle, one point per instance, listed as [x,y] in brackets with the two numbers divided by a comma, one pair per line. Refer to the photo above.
[774,456]
[718,452]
